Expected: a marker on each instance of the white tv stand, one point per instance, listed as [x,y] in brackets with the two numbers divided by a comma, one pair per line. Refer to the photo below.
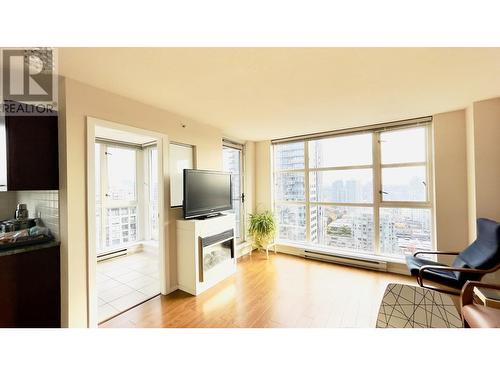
[205,252]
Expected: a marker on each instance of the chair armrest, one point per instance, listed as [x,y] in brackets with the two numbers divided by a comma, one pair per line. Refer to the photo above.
[449,268]
[466,297]
[436,252]
[458,269]
[420,278]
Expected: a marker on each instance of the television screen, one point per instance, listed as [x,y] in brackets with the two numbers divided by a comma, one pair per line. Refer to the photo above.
[206,193]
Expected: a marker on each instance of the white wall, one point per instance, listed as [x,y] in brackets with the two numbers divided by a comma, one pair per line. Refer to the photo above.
[471,172]
[486,117]
[450,182]
[484,164]
[78,101]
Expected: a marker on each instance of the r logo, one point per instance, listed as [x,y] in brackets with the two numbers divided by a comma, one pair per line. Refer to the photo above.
[28,75]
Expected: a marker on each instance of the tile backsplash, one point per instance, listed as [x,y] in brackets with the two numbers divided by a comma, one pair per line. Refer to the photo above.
[8,203]
[41,204]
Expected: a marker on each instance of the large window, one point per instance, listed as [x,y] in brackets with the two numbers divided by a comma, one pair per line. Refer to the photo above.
[116,196]
[363,192]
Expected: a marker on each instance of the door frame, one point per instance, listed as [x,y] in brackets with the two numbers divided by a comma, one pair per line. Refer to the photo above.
[162,144]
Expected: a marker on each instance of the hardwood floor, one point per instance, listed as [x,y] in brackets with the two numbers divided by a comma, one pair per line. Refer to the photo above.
[284,291]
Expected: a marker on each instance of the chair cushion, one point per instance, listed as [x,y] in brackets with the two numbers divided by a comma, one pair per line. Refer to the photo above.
[448,278]
[483,253]
[414,264]
[479,316]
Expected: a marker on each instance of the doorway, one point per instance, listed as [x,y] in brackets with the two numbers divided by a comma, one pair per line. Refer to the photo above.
[127,262]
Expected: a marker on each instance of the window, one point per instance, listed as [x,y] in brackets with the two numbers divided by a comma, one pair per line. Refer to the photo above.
[232,160]
[289,190]
[405,210]
[116,196]
[291,222]
[364,192]
[98,200]
[180,158]
[121,173]
[152,192]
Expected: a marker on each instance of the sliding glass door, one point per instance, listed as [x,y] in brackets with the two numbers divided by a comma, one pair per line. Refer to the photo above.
[233,163]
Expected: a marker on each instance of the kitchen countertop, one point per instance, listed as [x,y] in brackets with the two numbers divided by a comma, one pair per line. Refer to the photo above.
[28,248]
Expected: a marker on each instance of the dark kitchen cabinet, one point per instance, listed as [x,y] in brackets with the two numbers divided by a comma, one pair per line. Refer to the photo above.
[30,294]
[31,151]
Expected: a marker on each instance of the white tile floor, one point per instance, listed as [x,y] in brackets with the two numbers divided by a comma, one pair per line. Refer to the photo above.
[126,281]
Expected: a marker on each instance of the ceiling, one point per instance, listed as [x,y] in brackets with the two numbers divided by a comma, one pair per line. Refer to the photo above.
[266,93]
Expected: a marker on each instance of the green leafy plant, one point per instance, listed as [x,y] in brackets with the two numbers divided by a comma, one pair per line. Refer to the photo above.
[262,228]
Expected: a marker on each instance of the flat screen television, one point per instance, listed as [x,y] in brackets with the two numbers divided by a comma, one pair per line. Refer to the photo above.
[206,193]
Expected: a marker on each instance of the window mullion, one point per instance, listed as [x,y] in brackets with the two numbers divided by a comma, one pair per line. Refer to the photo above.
[104,194]
[342,168]
[140,189]
[307,195]
[377,187]
[402,165]
[146,195]
[341,204]
[430,182]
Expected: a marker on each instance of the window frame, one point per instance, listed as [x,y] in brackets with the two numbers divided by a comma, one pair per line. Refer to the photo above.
[107,203]
[241,148]
[378,202]
[149,172]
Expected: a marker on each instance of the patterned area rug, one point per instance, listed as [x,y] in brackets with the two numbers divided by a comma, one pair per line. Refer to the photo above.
[406,306]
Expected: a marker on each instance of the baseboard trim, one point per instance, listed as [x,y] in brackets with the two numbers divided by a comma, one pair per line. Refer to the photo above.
[243,249]
[186,289]
[289,250]
[172,289]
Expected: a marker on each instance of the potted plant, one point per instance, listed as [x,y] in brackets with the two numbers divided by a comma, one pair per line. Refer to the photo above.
[262,229]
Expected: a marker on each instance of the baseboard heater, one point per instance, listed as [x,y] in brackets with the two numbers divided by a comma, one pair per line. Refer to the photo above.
[112,254]
[346,260]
